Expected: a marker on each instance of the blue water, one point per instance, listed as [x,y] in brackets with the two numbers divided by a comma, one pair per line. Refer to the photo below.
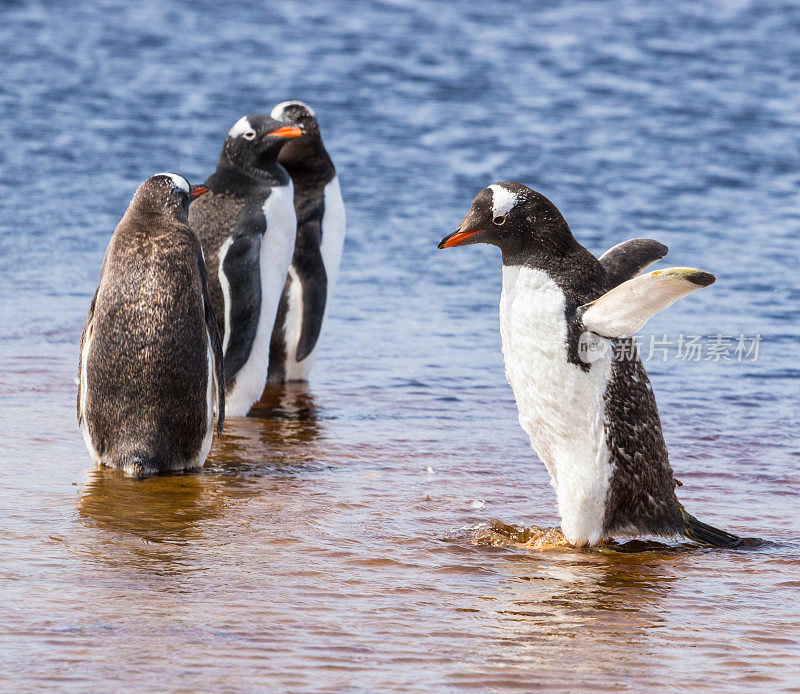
[309,554]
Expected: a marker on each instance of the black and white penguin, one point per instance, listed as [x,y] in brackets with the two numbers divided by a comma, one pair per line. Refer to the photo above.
[320,236]
[591,417]
[150,368]
[247,225]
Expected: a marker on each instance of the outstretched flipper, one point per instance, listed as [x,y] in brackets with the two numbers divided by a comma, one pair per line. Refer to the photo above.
[624,310]
[86,338]
[218,376]
[627,259]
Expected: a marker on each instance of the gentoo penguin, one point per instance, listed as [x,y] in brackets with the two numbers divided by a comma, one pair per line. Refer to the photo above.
[320,236]
[150,366]
[591,416]
[247,225]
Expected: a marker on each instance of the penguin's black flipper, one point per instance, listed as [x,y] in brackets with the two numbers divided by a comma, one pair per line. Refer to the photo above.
[216,345]
[306,278]
[85,335]
[627,259]
[241,267]
[314,286]
[707,534]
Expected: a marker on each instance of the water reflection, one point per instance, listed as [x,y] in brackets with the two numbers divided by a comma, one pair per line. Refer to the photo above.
[159,518]
[577,611]
[288,401]
[167,514]
[163,508]
[563,595]
[282,431]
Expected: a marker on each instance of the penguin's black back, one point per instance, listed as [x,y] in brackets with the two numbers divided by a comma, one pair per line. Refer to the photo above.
[641,494]
[147,368]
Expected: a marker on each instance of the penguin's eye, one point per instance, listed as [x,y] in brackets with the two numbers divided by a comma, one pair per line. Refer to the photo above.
[249,135]
[499,221]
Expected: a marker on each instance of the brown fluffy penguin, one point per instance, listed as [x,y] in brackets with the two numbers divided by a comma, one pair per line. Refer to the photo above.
[150,367]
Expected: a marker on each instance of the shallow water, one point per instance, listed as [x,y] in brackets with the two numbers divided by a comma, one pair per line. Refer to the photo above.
[339,540]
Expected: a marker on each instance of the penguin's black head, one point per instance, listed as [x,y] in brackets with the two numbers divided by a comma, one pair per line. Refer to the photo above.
[514,218]
[255,141]
[305,158]
[169,190]
[297,113]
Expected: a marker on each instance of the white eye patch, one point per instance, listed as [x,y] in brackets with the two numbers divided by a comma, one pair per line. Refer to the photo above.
[503,200]
[177,180]
[278,111]
[242,127]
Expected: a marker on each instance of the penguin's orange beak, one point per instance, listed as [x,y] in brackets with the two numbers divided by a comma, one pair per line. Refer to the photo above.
[471,224]
[287,131]
[457,238]
[197,191]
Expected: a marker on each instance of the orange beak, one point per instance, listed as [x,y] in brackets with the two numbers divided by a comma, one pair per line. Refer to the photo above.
[197,191]
[287,131]
[457,238]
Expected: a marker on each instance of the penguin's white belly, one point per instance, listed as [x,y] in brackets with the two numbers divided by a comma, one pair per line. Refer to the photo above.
[560,405]
[333,231]
[84,394]
[277,248]
[211,400]
[293,328]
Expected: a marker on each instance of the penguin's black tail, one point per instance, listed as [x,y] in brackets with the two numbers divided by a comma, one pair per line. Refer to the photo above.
[707,534]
